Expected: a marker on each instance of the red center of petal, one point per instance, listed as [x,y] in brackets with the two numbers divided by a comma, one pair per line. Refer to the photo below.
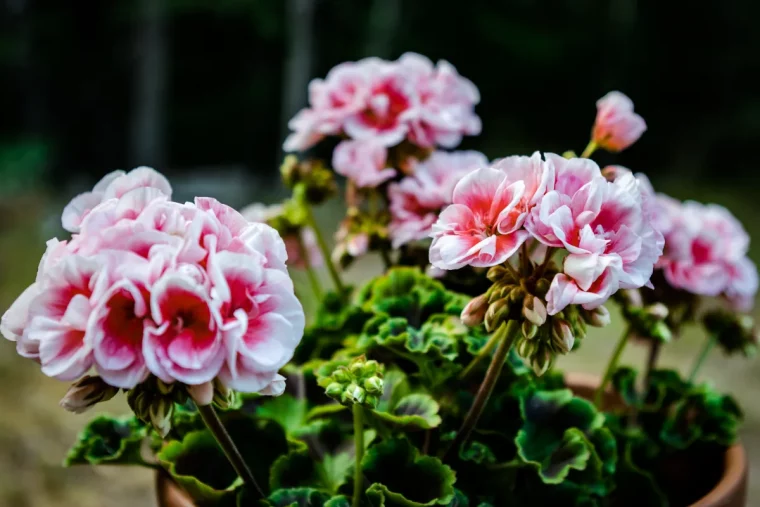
[121,323]
[386,104]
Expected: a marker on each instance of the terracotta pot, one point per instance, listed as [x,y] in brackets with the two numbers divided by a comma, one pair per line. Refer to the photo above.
[731,490]
[169,494]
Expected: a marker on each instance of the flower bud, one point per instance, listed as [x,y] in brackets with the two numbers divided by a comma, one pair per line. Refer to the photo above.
[495,314]
[371,401]
[334,390]
[160,416]
[374,385]
[534,310]
[86,392]
[354,394]
[223,395]
[517,294]
[542,287]
[598,317]
[475,311]
[657,311]
[529,330]
[496,273]
[631,297]
[562,336]
[202,394]
[541,362]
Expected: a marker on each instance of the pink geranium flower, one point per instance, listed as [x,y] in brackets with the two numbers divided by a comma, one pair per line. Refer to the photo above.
[610,239]
[416,200]
[706,253]
[617,126]
[447,102]
[483,226]
[363,162]
[262,322]
[112,186]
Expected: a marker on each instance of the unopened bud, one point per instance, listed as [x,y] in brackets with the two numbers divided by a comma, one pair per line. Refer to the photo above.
[598,317]
[475,311]
[86,392]
[529,330]
[496,273]
[631,297]
[657,310]
[223,395]
[562,336]
[374,385]
[160,413]
[495,314]
[334,390]
[354,394]
[534,310]
[371,401]
[569,154]
[341,375]
[517,294]
[542,287]
[202,394]
[541,362]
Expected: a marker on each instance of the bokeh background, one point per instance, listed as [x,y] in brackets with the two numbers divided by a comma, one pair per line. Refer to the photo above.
[202,90]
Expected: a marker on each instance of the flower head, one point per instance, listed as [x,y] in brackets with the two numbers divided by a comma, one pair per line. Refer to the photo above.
[484,225]
[416,200]
[610,240]
[617,126]
[363,162]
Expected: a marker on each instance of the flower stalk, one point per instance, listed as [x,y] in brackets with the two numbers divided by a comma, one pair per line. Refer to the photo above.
[590,149]
[217,429]
[507,334]
[326,254]
[706,349]
[316,287]
[611,366]
[358,413]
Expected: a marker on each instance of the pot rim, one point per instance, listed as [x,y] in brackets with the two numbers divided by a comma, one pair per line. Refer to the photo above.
[735,466]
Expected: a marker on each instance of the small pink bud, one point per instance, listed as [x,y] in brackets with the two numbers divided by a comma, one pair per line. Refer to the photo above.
[563,336]
[475,311]
[617,126]
[202,394]
[598,317]
[86,392]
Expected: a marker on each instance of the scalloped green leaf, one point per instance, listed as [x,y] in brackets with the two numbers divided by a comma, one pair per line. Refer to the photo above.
[298,497]
[477,453]
[198,464]
[291,414]
[401,477]
[338,501]
[624,383]
[414,412]
[564,438]
[459,500]
[702,415]
[109,440]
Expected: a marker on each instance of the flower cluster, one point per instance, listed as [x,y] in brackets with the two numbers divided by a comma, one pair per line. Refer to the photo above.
[609,239]
[417,200]
[188,292]
[384,103]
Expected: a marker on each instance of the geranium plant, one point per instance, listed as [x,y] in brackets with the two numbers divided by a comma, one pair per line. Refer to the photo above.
[432,383]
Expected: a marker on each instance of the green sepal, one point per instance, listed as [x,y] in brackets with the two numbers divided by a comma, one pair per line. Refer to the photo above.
[109,440]
[298,497]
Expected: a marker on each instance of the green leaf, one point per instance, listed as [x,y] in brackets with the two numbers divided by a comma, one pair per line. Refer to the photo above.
[477,453]
[702,415]
[298,497]
[198,464]
[624,383]
[400,477]
[413,412]
[564,438]
[338,501]
[459,500]
[109,440]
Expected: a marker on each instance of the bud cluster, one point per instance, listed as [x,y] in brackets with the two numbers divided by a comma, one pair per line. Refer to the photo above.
[310,178]
[358,233]
[734,333]
[153,402]
[358,383]
[650,321]
[543,336]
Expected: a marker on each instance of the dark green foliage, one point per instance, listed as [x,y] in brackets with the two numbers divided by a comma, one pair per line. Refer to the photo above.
[109,440]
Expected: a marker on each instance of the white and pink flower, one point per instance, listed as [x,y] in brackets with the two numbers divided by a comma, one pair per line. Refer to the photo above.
[388,102]
[610,239]
[616,126]
[363,162]
[416,200]
[706,252]
[147,286]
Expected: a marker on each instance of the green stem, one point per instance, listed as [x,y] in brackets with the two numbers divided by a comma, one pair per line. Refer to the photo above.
[358,412]
[316,287]
[525,259]
[590,149]
[706,348]
[512,271]
[480,357]
[611,366]
[215,426]
[507,332]
[325,251]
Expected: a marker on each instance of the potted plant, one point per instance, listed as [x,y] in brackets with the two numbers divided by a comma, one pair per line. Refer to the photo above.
[433,382]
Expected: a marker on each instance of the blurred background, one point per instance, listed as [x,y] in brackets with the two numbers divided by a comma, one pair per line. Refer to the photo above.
[202,90]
